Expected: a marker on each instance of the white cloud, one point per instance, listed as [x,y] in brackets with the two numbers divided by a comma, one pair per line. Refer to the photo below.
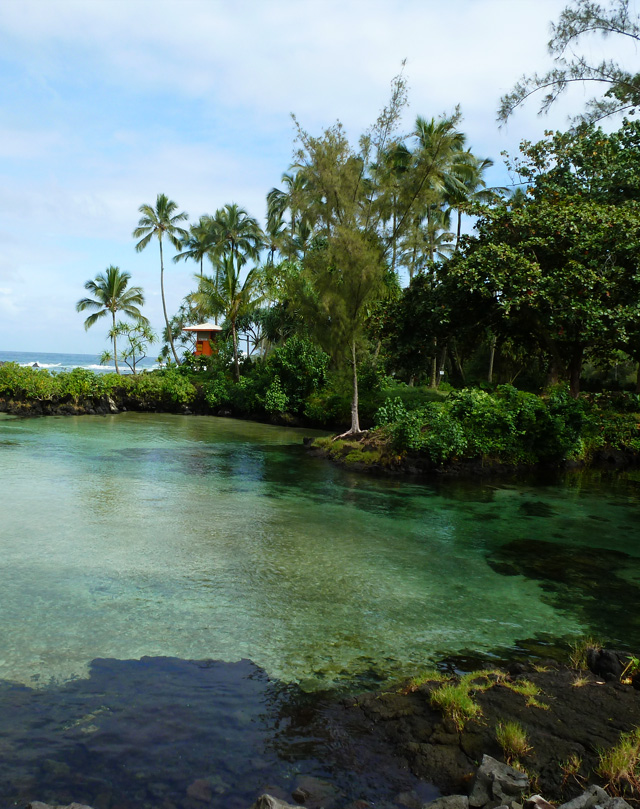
[113,102]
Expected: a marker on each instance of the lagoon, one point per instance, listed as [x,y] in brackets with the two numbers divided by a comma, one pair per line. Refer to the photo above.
[134,543]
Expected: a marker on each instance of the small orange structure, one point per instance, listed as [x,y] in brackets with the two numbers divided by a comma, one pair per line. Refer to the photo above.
[206,335]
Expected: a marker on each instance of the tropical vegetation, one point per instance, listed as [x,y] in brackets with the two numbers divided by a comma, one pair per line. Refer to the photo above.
[364,302]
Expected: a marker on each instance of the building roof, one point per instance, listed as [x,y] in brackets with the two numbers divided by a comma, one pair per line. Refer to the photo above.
[203,327]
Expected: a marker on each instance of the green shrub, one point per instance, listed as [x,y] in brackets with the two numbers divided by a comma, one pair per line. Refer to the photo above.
[300,368]
[275,400]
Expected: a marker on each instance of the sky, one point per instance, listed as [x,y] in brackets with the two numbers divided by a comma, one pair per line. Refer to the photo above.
[105,104]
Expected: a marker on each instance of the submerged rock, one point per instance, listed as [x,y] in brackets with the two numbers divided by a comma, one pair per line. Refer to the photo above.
[269,802]
[39,805]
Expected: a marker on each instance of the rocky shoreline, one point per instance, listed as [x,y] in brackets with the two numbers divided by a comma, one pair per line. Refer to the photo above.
[371,454]
[570,719]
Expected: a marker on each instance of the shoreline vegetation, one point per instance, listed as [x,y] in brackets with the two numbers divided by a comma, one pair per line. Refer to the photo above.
[415,431]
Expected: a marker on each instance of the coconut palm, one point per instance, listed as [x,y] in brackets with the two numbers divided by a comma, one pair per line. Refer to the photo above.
[237,234]
[159,221]
[227,294]
[197,244]
[110,294]
[472,187]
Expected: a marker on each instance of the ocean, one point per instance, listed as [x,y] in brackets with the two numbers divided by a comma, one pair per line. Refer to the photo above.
[67,362]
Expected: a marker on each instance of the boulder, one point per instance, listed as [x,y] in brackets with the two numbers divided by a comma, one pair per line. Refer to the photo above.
[590,797]
[617,803]
[449,802]
[604,663]
[497,784]
[537,802]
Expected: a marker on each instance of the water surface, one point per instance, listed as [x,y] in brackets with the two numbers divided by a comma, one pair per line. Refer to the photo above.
[133,545]
[196,537]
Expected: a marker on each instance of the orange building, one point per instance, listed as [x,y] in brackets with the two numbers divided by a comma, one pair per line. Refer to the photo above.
[206,336]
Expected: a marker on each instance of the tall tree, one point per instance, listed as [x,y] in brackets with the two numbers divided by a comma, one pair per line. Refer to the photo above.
[198,243]
[110,295]
[577,21]
[561,269]
[228,294]
[161,220]
[237,234]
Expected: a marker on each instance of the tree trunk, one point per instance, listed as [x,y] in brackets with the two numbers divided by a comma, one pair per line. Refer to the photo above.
[434,365]
[236,364]
[638,379]
[443,360]
[164,306]
[355,421]
[115,346]
[459,229]
[492,356]
[575,369]
[456,362]
[394,243]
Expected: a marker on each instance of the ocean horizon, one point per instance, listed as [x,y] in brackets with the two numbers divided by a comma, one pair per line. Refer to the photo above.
[57,362]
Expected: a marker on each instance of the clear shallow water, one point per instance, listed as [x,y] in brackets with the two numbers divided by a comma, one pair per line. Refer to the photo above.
[197,538]
[174,539]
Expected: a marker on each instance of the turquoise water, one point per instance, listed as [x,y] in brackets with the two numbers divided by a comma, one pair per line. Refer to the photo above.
[192,537]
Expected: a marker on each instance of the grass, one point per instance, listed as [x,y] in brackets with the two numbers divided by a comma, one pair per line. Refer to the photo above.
[580,681]
[352,451]
[530,691]
[620,765]
[428,676]
[456,702]
[571,769]
[579,651]
[513,739]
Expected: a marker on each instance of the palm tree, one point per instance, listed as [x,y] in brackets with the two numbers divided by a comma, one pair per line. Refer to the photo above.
[111,295]
[297,199]
[237,234]
[225,293]
[159,221]
[197,244]
[472,187]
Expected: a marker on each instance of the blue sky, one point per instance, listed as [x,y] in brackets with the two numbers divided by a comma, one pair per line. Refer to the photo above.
[104,104]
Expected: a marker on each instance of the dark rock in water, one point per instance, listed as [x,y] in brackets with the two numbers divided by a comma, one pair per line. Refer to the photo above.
[35,365]
[39,805]
[497,784]
[597,584]
[315,792]
[533,508]
[605,663]
[200,790]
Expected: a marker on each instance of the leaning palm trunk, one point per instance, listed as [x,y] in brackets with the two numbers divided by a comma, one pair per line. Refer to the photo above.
[164,307]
